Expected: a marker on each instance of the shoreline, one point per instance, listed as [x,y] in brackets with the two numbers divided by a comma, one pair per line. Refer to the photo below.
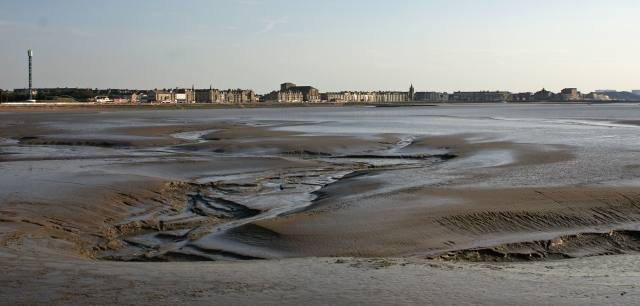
[62,106]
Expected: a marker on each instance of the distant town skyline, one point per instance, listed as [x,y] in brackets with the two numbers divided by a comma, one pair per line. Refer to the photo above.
[333,45]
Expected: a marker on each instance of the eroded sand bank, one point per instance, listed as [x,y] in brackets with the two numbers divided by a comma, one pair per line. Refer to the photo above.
[145,186]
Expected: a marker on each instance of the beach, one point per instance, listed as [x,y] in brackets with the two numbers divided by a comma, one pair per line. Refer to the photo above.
[462,204]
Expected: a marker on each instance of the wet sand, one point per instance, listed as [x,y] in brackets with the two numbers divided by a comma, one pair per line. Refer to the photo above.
[610,280]
[359,219]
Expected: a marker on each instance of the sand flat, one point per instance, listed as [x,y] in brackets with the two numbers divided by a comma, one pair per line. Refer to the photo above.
[387,208]
[610,280]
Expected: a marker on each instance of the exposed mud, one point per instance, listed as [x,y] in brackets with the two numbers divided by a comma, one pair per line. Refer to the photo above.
[496,222]
[219,208]
[571,246]
[179,190]
[416,156]
[92,143]
[377,190]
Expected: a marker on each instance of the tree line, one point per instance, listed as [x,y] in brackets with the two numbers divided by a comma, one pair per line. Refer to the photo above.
[80,94]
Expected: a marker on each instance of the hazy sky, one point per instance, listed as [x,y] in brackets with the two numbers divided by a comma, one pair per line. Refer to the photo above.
[468,45]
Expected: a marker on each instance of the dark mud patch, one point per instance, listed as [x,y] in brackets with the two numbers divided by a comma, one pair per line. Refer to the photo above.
[252,234]
[90,143]
[630,122]
[305,152]
[27,138]
[442,157]
[220,208]
[179,256]
[571,246]
[194,253]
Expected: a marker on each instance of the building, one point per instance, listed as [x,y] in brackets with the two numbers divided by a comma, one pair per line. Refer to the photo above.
[570,94]
[213,95]
[412,93]
[636,92]
[182,95]
[431,96]
[522,96]
[309,93]
[284,96]
[543,95]
[289,92]
[239,96]
[161,95]
[390,96]
[481,96]
[177,95]
[286,86]
[142,96]
[102,99]
[371,96]
[596,96]
[115,95]
[124,95]
[207,95]
[338,97]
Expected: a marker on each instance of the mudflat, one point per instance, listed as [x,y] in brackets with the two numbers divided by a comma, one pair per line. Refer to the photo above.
[356,203]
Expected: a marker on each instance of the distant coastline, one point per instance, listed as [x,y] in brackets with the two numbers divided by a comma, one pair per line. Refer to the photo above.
[292,93]
[64,106]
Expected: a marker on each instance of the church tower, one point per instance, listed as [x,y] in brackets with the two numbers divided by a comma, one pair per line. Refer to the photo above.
[412,93]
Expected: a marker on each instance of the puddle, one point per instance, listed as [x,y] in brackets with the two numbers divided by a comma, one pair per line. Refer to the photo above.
[193,135]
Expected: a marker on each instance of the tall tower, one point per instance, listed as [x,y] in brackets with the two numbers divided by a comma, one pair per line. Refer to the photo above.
[412,93]
[30,54]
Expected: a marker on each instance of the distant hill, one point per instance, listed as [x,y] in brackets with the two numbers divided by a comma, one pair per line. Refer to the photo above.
[622,95]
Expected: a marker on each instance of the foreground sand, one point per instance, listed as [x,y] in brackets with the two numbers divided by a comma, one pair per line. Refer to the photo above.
[340,219]
[610,280]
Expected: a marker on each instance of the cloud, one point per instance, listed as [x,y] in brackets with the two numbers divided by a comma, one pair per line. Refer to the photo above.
[272,24]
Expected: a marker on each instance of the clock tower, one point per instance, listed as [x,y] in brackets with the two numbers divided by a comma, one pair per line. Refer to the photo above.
[412,93]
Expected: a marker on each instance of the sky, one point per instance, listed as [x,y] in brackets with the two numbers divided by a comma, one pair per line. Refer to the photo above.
[333,45]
